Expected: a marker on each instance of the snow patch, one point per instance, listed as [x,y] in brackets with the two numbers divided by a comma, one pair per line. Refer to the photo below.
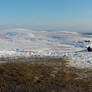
[26,42]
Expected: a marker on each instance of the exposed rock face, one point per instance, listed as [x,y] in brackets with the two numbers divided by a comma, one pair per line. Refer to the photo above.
[89,49]
[87,41]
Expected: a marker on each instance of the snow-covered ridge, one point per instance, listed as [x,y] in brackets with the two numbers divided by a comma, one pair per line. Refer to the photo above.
[26,42]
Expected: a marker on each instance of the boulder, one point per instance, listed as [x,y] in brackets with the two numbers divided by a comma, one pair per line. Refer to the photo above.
[89,49]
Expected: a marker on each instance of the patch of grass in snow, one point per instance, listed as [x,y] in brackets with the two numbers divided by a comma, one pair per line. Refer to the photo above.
[38,74]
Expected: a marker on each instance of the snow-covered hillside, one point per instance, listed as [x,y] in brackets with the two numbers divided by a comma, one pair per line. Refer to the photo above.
[26,42]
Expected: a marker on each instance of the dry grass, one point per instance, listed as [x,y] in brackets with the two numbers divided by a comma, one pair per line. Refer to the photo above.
[48,74]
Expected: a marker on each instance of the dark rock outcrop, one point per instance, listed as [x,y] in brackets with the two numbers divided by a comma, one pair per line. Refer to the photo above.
[89,49]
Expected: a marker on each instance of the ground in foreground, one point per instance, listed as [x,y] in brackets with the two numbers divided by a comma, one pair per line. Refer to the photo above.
[48,74]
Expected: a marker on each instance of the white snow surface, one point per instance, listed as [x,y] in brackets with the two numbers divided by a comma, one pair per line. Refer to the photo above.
[25,42]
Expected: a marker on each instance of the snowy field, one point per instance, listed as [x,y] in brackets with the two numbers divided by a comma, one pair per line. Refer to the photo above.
[25,42]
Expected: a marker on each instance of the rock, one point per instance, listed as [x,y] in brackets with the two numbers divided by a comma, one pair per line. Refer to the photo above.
[89,49]
[87,40]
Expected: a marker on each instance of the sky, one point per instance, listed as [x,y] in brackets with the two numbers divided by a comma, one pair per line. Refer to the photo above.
[75,15]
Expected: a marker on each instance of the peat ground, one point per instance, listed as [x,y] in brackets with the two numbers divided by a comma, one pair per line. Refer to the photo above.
[43,74]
